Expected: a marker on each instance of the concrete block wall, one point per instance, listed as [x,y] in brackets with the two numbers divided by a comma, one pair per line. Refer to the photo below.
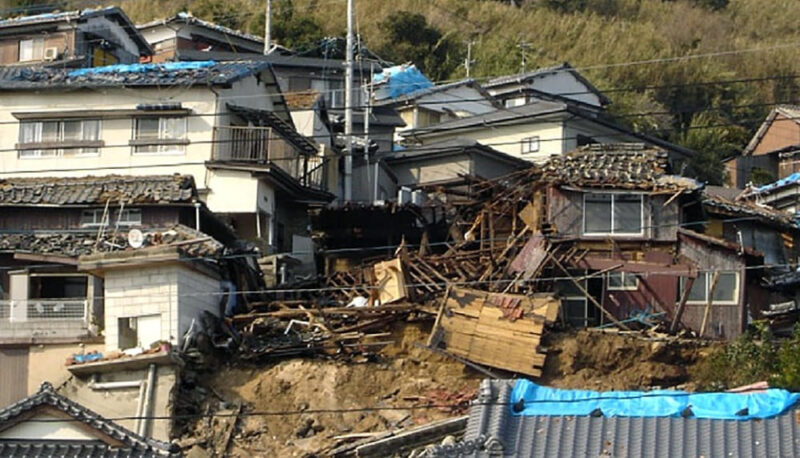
[175,292]
[139,292]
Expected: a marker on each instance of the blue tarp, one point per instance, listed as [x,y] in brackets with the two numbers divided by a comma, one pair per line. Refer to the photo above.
[540,400]
[402,79]
[143,68]
[793,178]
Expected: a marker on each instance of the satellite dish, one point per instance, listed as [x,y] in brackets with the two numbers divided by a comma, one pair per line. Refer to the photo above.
[135,238]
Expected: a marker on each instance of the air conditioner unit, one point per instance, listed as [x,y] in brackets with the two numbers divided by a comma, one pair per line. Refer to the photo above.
[51,53]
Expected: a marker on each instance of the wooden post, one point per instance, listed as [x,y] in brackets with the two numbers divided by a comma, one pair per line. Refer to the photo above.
[682,305]
[589,296]
[707,313]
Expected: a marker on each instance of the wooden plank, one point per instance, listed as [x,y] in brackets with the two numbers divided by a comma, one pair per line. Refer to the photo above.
[682,305]
[707,313]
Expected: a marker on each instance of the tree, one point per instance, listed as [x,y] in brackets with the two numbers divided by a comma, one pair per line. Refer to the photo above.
[409,38]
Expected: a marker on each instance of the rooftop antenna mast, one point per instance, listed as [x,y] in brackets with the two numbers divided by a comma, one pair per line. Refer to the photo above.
[268,28]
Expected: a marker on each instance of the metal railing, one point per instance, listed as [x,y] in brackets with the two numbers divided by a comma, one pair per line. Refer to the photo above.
[261,145]
[68,309]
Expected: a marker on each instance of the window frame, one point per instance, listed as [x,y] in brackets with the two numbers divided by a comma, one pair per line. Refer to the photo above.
[33,41]
[171,146]
[97,217]
[613,232]
[60,147]
[525,145]
[709,276]
[623,277]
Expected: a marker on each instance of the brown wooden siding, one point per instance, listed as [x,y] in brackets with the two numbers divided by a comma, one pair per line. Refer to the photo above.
[565,213]
[19,218]
[726,321]
[13,375]
[782,132]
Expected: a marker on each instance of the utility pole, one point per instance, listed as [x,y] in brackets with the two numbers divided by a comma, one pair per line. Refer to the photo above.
[348,107]
[268,28]
[468,63]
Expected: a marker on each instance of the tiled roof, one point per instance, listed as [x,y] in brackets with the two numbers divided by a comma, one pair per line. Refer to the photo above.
[720,205]
[495,83]
[187,18]
[616,165]
[301,100]
[169,74]
[148,189]
[78,15]
[79,243]
[493,431]
[133,445]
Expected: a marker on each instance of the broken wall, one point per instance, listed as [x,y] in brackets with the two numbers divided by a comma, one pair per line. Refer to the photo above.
[725,320]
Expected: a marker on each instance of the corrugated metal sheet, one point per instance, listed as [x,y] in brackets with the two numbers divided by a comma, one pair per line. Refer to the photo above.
[493,431]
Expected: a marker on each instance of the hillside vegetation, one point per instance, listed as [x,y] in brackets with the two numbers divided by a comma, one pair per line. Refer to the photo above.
[754,47]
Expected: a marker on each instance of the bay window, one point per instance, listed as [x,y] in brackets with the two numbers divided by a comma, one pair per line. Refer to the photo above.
[613,214]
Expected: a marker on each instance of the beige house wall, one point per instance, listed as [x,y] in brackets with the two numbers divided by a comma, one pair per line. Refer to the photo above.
[508,139]
[47,363]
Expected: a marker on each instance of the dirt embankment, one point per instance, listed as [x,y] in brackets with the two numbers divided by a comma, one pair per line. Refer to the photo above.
[407,375]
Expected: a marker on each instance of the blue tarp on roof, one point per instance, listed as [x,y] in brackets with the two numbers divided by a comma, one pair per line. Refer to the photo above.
[142,68]
[793,178]
[540,400]
[402,79]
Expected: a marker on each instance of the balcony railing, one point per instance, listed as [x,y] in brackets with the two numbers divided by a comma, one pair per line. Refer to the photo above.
[38,310]
[262,145]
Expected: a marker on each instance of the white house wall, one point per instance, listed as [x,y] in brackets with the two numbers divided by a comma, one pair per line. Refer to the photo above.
[599,133]
[117,156]
[232,191]
[561,83]
[508,139]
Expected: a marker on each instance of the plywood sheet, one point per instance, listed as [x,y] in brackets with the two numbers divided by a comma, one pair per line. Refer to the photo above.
[497,330]
[390,281]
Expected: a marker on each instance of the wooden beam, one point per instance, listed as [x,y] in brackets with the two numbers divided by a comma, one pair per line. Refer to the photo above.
[707,313]
[46,258]
[682,305]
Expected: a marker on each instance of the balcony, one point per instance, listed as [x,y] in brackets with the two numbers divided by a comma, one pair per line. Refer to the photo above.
[264,145]
[34,319]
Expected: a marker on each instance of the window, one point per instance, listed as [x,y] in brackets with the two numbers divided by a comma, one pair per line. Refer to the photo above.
[725,292]
[334,96]
[622,281]
[31,50]
[59,138]
[612,214]
[163,135]
[585,140]
[576,309]
[515,102]
[530,145]
[94,217]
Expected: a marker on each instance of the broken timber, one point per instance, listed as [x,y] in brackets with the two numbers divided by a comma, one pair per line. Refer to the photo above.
[497,330]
